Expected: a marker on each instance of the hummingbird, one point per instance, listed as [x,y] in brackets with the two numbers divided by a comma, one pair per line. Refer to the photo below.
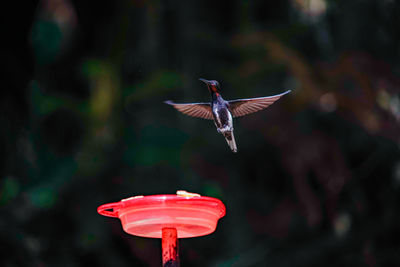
[222,111]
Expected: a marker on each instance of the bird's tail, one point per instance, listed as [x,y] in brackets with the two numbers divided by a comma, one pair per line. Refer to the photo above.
[230,139]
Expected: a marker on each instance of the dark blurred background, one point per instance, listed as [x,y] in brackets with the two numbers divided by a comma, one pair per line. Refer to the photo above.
[316,181]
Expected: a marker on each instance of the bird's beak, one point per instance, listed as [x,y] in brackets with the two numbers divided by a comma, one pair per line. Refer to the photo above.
[204,81]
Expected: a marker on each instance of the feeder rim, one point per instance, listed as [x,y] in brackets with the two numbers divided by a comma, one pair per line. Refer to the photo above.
[112,209]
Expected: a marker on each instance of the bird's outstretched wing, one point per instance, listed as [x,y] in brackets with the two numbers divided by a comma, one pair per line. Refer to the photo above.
[241,107]
[199,110]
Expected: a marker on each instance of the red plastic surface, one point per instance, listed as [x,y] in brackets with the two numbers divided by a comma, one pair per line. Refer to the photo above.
[170,248]
[146,216]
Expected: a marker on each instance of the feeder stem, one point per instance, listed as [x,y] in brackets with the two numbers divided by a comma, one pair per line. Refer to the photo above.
[169,243]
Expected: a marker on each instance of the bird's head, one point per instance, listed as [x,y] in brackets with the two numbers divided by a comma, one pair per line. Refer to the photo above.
[212,85]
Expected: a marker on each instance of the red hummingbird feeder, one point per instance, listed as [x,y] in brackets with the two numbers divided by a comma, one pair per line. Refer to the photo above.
[168,217]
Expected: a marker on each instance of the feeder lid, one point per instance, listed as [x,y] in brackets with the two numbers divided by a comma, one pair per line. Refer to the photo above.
[191,214]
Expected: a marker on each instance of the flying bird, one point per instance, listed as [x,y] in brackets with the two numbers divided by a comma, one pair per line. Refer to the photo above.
[222,111]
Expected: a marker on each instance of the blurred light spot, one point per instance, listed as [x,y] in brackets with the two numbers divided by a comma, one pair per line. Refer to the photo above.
[46,41]
[312,8]
[9,190]
[104,84]
[60,11]
[371,122]
[33,244]
[395,106]
[53,28]
[328,102]
[389,103]
[342,224]
[383,99]
[43,197]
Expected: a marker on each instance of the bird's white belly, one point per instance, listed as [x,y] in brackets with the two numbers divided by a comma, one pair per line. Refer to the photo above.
[223,125]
